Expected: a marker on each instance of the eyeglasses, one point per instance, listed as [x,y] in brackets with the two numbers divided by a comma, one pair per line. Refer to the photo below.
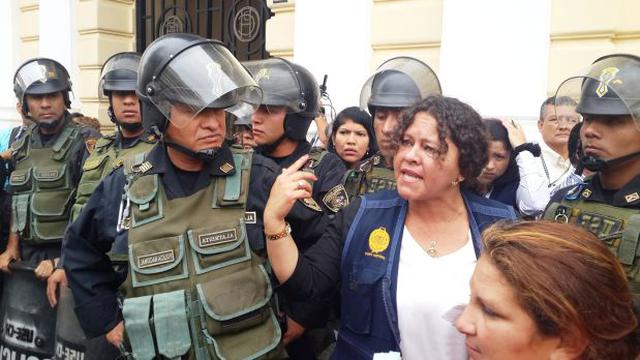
[569,120]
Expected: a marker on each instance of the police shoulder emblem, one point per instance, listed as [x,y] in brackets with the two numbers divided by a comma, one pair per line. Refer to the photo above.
[336,198]
[311,204]
[379,240]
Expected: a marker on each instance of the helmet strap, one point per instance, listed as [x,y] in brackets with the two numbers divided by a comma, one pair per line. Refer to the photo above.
[595,164]
[206,155]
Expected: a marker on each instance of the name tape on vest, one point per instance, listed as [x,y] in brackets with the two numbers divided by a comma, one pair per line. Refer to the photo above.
[217,238]
[155,259]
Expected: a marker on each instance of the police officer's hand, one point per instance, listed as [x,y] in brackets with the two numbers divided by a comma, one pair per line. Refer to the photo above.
[45,269]
[58,278]
[289,187]
[294,331]
[10,255]
[116,335]
[515,131]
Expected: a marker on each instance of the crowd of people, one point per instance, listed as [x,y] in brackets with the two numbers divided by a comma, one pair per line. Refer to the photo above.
[208,226]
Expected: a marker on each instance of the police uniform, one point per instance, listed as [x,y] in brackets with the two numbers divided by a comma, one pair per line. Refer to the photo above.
[614,216]
[109,154]
[46,172]
[607,93]
[371,175]
[171,247]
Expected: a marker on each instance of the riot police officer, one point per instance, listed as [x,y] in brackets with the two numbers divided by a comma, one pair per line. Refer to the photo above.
[397,84]
[47,162]
[180,222]
[290,102]
[608,203]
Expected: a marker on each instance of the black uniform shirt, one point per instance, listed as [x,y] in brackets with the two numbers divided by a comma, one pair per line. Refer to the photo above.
[91,277]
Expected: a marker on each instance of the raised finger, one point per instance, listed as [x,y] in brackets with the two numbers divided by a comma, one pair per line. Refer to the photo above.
[297,165]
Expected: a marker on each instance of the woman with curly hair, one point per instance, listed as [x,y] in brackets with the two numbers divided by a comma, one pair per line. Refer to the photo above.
[547,290]
[402,258]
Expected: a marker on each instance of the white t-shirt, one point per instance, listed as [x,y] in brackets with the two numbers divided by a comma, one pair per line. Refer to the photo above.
[428,288]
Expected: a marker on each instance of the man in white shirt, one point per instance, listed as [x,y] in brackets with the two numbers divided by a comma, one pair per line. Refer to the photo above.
[541,175]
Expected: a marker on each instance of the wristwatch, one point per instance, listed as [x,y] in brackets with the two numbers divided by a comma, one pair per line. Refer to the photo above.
[285,232]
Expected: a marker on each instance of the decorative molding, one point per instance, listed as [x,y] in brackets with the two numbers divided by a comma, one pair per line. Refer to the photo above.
[105,32]
[282,8]
[32,7]
[281,53]
[613,36]
[90,67]
[406,46]
[30,38]
[125,2]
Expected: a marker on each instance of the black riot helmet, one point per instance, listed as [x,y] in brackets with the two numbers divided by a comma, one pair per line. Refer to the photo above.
[39,76]
[291,85]
[194,72]
[119,73]
[610,87]
[398,83]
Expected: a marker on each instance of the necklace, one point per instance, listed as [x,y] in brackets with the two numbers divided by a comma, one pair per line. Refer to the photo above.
[431,250]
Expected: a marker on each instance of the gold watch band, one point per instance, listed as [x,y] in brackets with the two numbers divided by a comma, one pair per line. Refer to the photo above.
[285,232]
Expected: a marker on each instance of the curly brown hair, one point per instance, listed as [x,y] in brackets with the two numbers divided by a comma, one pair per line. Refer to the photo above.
[457,121]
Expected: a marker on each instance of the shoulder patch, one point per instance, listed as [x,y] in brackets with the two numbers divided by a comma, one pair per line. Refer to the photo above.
[311,204]
[336,198]
[575,192]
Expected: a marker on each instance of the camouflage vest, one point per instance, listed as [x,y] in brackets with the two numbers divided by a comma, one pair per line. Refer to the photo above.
[195,288]
[369,177]
[617,227]
[106,157]
[42,186]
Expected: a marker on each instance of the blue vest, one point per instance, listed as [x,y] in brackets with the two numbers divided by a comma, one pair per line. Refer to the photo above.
[370,270]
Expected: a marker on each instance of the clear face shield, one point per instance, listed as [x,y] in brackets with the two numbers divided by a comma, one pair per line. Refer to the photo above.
[399,82]
[609,87]
[41,76]
[203,76]
[119,73]
[279,84]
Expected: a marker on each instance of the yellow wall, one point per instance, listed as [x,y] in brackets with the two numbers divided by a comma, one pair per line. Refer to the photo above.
[105,27]
[29,29]
[280,29]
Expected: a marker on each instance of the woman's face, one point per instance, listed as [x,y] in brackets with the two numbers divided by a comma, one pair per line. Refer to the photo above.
[495,324]
[351,141]
[497,165]
[421,173]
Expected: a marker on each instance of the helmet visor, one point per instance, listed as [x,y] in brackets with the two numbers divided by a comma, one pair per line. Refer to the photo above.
[611,87]
[279,83]
[414,81]
[45,74]
[119,73]
[204,76]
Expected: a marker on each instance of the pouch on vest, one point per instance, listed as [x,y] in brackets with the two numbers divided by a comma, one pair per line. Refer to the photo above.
[359,296]
[215,247]
[136,313]
[92,164]
[628,250]
[241,315]
[50,177]
[157,261]
[63,143]
[230,189]
[144,193]
[20,180]
[171,324]
[19,212]
[50,211]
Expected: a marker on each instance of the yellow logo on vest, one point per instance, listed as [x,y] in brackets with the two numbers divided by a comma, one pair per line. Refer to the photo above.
[378,242]
[586,193]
